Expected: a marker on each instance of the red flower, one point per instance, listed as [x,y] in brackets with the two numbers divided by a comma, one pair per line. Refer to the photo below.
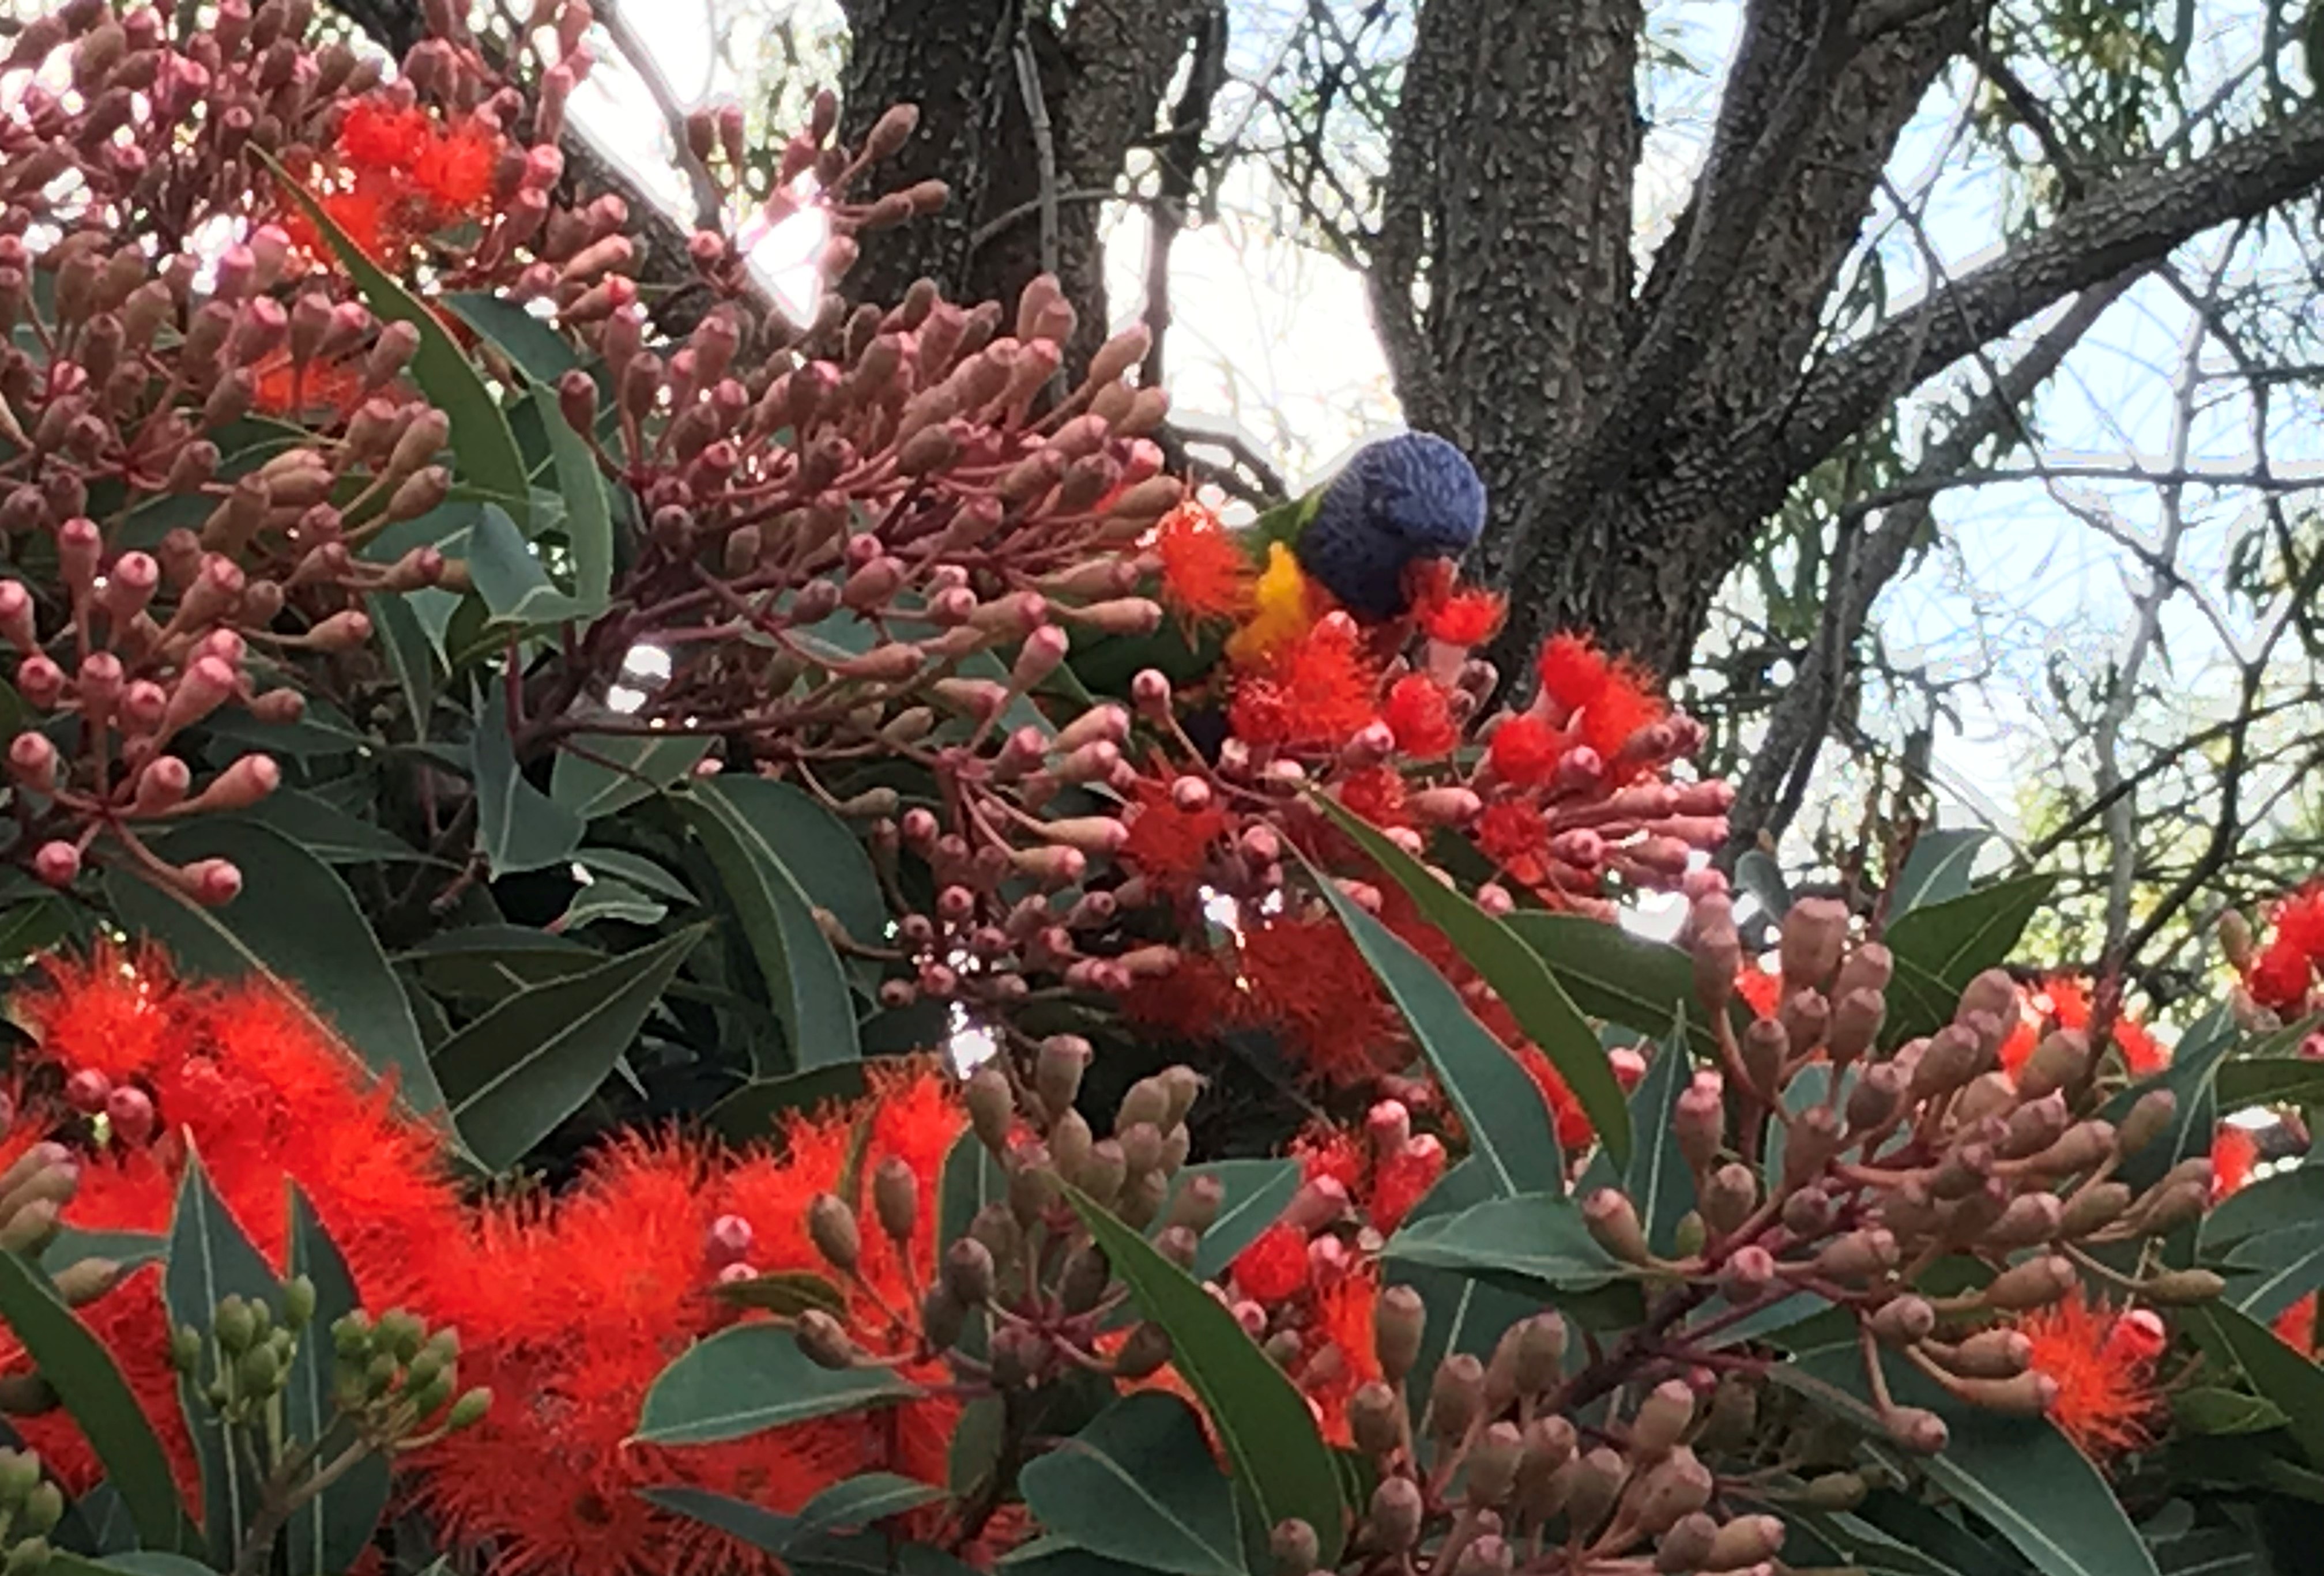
[1616,713]
[1403,1179]
[1314,692]
[1341,1355]
[1419,714]
[1189,1003]
[1274,1268]
[1306,982]
[1762,992]
[2296,1325]
[1205,573]
[2300,919]
[1515,835]
[1455,615]
[2234,1152]
[1166,842]
[1376,793]
[2103,1364]
[1526,751]
[2069,1005]
[1572,669]
[2280,978]
[1325,1150]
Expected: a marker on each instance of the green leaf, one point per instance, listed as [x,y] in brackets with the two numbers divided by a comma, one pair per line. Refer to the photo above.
[611,900]
[1956,941]
[1937,870]
[537,350]
[128,1563]
[1140,1485]
[823,853]
[2190,1078]
[1464,1312]
[296,926]
[485,963]
[2283,1202]
[329,833]
[211,1259]
[2281,1268]
[2212,1409]
[1658,1180]
[410,655]
[1256,1193]
[596,774]
[2271,1081]
[515,1072]
[33,928]
[2020,1475]
[482,444]
[636,870]
[1641,984]
[1262,1422]
[77,1366]
[2283,1377]
[742,826]
[751,1378]
[784,1293]
[1501,1110]
[518,827]
[1763,879]
[510,578]
[972,1179]
[1516,974]
[1539,1236]
[329,1533]
[127,1249]
[737,1518]
[859,1502]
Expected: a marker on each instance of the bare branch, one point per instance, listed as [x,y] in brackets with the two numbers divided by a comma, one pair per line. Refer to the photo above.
[707,201]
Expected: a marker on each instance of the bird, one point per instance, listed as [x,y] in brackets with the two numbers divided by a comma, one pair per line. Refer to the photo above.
[1402,502]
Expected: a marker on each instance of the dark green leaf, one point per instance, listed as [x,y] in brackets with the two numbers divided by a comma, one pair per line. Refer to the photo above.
[859,1501]
[2283,1202]
[329,833]
[763,1529]
[515,1072]
[1464,1312]
[488,961]
[508,574]
[481,441]
[598,774]
[972,1179]
[295,925]
[518,827]
[2212,1409]
[751,1112]
[636,870]
[1937,870]
[751,1378]
[127,1249]
[1139,1484]
[785,1294]
[32,927]
[1256,1195]
[2285,1379]
[1539,1237]
[411,654]
[746,830]
[128,1563]
[2280,1268]
[823,853]
[2194,1067]
[329,1533]
[1658,1180]
[211,1259]
[1501,1108]
[1262,1422]
[1641,984]
[537,350]
[2271,1081]
[77,1365]
[2019,1474]
[1763,879]
[611,900]
[1516,974]
[1957,940]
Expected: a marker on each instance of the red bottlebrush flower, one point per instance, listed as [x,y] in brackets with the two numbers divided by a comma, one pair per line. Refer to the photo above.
[1574,1132]
[2280,980]
[1572,669]
[1189,1003]
[1325,1150]
[1515,835]
[2299,919]
[456,170]
[1166,842]
[1341,1357]
[1526,751]
[1306,981]
[287,389]
[1619,710]
[2107,1396]
[373,135]
[2069,1005]
[1314,692]
[1274,1268]
[1418,715]
[1205,573]
[1377,794]
[1762,992]
[2296,1325]
[2235,1152]
[1402,1180]
[1456,614]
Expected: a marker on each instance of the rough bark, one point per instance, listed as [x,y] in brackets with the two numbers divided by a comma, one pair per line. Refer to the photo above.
[1101,80]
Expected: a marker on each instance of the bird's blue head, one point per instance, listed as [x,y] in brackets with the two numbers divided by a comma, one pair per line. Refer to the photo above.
[1401,500]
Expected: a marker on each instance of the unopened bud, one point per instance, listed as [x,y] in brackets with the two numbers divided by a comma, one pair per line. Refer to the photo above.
[1613,1222]
[831,1227]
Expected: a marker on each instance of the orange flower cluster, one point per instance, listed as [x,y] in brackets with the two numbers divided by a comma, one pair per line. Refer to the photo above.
[2279,976]
[568,1308]
[401,175]
[2103,1362]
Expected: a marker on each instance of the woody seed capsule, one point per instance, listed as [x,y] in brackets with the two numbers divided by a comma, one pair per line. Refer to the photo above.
[2035,1283]
[2147,1120]
[1662,1419]
[1456,1395]
[2093,1208]
[1398,1319]
[1375,1419]
[831,1227]
[2060,1059]
[1396,1513]
[1613,1220]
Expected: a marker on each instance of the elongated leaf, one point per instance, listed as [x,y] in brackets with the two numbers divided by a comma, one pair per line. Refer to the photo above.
[1538,1236]
[1938,870]
[127,1249]
[482,443]
[1501,1110]
[785,1294]
[329,833]
[635,869]
[598,774]
[411,655]
[2274,1270]
[518,827]
[611,900]
[1517,974]
[1658,1180]
[329,1533]
[824,854]
[2283,1202]
[739,1518]
[2271,1081]
[211,1259]
[2190,1078]
[751,1378]
[741,826]
[488,961]
[295,925]
[76,1364]
[2019,1474]
[2214,1409]
[1261,1421]
[511,1076]
[537,350]
[510,578]
[859,1502]
[1956,941]
[1256,1193]
[1610,974]
[1464,1312]
[1763,879]
[1139,1484]
[2285,1379]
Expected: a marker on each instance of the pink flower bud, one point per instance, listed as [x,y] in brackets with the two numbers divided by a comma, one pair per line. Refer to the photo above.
[86,1091]
[1629,1064]
[57,863]
[728,1242]
[40,682]
[1494,899]
[130,1113]
[1150,691]
[1108,722]
[1316,1204]
[213,882]
[282,706]
[1388,1124]
[129,586]
[1447,807]
[78,545]
[202,689]
[348,630]
[32,761]
[99,683]
[16,625]
[240,785]
[142,704]
[161,786]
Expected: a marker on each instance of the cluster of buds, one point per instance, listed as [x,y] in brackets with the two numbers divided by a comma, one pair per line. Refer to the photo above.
[398,1381]
[30,1508]
[1899,1159]
[34,1193]
[1024,1296]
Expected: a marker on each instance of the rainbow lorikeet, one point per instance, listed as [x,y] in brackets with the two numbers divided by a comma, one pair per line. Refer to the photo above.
[1402,504]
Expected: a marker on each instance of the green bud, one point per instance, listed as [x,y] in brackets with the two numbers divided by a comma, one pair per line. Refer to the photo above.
[261,1370]
[298,1302]
[44,1507]
[1835,1491]
[422,1373]
[186,1348]
[235,1326]
[27,1557]
[403,1332]
[379,1375]
[20,1474]
[351,1336]
[469,1409]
